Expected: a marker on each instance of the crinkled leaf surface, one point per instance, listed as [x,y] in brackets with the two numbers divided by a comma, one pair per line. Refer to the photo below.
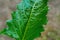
[28,20]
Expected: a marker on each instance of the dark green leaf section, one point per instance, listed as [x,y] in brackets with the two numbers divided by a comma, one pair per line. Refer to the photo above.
[28,20]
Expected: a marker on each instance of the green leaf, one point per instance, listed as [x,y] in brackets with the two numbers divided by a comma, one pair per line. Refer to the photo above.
[28,20]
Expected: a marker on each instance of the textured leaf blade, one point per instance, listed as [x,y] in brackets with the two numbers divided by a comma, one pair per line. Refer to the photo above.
[28,20]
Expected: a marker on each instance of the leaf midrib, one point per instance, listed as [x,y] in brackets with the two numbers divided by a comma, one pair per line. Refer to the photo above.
[28,21]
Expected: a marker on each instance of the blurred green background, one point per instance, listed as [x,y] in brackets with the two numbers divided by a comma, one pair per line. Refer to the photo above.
[52,29]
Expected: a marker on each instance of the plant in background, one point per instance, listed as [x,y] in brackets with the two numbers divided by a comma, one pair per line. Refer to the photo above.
[28,20]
